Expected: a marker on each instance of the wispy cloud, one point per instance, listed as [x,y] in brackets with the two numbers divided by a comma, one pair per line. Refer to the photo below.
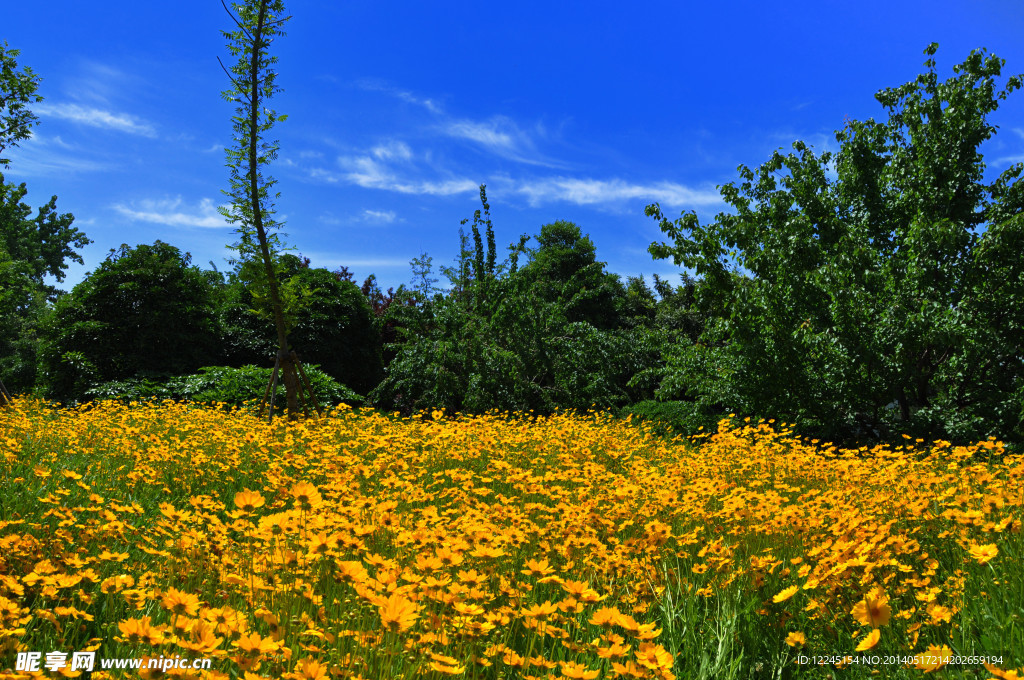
[100,83]
[501,136]
[373,172]
[99,118]
[392,150]
[1008,160]
[587,191]
[364,217]
[169,212]
[334,261]
[406,96]
[379,216]
[41,155]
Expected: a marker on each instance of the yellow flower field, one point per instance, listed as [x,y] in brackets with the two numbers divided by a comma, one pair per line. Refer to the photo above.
[571,546]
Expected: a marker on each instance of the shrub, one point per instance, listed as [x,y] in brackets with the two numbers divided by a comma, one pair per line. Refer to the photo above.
[232,386]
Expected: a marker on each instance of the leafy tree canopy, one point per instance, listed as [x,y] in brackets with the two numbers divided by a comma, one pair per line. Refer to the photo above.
[17,90]
[329,319]
[871,291]
[145,311]
[44,242]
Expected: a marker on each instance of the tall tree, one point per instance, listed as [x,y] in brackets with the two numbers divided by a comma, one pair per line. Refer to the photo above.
[30,247]
[144,312]
[17,91]
[254,82]
[879,299]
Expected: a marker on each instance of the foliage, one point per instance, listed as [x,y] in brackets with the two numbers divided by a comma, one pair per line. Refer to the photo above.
[866,305]
[223,384]
[329,319]
[254,83]
[145,311]
[21,305]
[17,91]
[521,339]
[564,270]
[30,247]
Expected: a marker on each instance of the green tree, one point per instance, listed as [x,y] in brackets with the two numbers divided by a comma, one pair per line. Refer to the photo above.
[332,319]
[31,247]
[17,92]
[21,305]
[515,339]
[144,312]
[44,242]
[254,82]
[884,300]
[564,269]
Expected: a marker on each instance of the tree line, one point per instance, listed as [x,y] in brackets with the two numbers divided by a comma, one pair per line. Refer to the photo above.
[860,296]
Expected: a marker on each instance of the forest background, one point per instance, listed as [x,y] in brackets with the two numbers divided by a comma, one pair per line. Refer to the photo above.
[860,295]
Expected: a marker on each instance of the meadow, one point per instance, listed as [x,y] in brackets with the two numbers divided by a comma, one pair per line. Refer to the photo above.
[578,545]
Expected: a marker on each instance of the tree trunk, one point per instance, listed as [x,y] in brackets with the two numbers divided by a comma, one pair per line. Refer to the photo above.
[291,382]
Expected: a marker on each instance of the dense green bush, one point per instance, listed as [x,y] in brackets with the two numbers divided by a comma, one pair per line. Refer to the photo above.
[231,386]
[872,292]
[144,312]
[540,338]
[330,323]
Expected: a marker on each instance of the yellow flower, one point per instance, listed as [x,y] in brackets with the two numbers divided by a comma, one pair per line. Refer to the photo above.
[873,610]
[605,617]
[306,495]
[579,671]
[248,501]
[177,602]
[254,645]
[310,669]
[650,655]
[446,665]
[537,568]
[539,611]
[796,639]
[984,553]
[869,641]
[397,613]
[934,658]
[135,630]
[785,594]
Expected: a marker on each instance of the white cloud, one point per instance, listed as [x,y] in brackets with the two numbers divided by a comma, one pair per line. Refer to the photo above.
[501,136]
[99,118]
[594,191]
[41,155]
[393,150]
[167,211]
[334,261]
[1008,160]
[366,216]
[486,134]
[370,173]
[100,83]
[379,216]
[377,86]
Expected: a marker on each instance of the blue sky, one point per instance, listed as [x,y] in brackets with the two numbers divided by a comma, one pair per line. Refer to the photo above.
[584,111]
